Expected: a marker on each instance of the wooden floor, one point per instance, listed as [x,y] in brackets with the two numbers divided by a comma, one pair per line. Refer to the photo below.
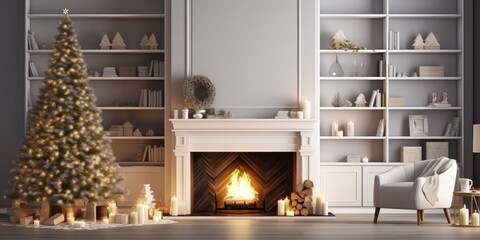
[389,226]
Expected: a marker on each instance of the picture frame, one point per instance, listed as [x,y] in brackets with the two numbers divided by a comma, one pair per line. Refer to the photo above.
[418,125]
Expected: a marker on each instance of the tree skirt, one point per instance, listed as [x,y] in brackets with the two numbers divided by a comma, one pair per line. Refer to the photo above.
[90,226]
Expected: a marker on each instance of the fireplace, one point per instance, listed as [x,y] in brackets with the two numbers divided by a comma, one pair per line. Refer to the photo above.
[240,182]
[243,139]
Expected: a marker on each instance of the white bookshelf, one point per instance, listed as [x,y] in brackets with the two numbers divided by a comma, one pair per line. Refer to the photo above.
[367,23]
[118,97]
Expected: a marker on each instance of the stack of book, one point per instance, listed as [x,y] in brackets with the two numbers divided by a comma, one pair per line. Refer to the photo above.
[157,68]
[32,43]
[394,40]
[376,99]
[150,98]
[32,69]
[109,72]
[142,71]
[153,154]
[116,130]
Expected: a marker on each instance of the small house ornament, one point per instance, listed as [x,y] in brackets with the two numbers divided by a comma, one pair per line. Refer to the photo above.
[431,42]
[127,129]
[137,133]
[418,43]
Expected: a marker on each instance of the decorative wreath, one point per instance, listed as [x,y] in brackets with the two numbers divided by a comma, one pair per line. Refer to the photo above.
[198,92]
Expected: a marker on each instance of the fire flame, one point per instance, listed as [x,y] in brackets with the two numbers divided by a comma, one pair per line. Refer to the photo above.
[240,187]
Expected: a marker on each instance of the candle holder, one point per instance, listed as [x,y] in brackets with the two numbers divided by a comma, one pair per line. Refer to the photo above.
[459,217]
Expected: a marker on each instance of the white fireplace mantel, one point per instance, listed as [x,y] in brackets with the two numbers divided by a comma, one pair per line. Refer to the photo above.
[242,135]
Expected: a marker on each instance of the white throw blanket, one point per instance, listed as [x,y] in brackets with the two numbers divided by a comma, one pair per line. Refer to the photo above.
[430,172]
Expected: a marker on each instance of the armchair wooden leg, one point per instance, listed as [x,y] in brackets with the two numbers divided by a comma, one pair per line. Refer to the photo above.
[423,215]
[377,211]
[419,216]
[447,215]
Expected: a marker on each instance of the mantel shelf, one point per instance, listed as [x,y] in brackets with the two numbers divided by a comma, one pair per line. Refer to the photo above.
[161,164]
[259,125]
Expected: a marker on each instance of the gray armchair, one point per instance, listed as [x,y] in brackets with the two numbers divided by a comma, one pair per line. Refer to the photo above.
[401,188]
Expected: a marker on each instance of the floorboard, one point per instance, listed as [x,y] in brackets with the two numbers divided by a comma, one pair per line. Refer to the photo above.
[358,227]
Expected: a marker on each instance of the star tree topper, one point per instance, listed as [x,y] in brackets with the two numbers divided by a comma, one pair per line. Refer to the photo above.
[65,11]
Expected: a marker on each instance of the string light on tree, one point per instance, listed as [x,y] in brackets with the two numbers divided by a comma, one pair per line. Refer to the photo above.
[66,155]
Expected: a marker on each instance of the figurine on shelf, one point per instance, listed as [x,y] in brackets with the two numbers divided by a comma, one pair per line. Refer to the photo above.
[337,101]
[434,97]
[360,101]
[127,129]
[150,132]
[418,43]
[137,133]
[105,43]
[431,42]
[152,42]
[118,43]
[143,42]
[339,41]
[445,97]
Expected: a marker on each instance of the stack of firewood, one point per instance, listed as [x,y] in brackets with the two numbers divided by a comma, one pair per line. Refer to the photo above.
[301,199]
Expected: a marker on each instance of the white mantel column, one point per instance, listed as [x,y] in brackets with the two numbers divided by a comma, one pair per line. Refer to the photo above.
[183,173]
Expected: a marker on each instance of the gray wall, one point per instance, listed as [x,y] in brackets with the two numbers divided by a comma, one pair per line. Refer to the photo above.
[476,85]
[12,20]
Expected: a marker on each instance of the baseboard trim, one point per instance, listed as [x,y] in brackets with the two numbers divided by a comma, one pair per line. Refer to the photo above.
[371,210]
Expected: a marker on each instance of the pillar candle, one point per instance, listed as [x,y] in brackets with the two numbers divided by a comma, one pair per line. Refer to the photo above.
[36,223]
[123,218]
[70,221]
[156,218]
[340,133]
[325,208]
[463,216]
[286,202]
[159,214]
[307,114]
[318,204]
[185,113]
[300,115]
[141,213]
[112,218]
[290,213]
[112,208]
[475,219]
[334,128]
[79,224]
[174,206]
[106,220]
[364,159]
[133,218]
[350,129]
[175,113]
[281,207]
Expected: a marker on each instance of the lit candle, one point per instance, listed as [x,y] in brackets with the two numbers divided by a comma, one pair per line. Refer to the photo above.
[79,224]
[159,214]
[281,207]
[306,109]
[286,202]
[112,208]
[174,206]
[156,218]
[141,213]
[350,129]
[133,218]
[463,216]
[325,208]
[334,128]
[112,218]
[364,159]
[475,219]
[106,220]
[70,221]
[319,200]
[340,133]
[290,213]
[36,223]
[123,218]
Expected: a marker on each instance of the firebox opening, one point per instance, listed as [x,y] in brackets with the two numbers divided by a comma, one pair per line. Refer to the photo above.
[241,183]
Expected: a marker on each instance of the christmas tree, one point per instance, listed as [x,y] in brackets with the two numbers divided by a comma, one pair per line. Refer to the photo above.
[66,155]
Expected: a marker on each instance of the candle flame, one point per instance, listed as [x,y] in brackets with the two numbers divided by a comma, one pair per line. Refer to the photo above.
[240,187]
